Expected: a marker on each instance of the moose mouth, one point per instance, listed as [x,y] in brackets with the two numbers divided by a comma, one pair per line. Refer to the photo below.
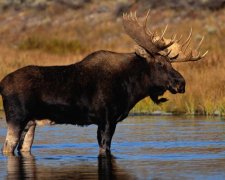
[172,90]
[175,90]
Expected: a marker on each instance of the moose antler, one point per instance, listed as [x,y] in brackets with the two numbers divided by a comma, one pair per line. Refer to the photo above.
[143,36]
[155,44]
[182,56]
[177,52]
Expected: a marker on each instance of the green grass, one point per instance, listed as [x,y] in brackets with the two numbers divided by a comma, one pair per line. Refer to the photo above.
[51,45]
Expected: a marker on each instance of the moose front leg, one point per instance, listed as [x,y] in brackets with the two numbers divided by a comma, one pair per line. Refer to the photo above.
[27,137]
[104,134]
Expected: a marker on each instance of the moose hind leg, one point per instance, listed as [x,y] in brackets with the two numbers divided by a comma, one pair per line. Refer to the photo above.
[27,137]
[12,139]
[16,118]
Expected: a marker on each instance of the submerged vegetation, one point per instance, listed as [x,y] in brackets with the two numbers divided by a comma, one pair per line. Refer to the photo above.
[59,36]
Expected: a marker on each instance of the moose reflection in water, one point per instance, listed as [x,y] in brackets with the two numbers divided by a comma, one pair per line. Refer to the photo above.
[24,166]
[101,89]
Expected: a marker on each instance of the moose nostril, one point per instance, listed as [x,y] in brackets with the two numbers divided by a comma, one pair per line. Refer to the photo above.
[182,88]
[180,84]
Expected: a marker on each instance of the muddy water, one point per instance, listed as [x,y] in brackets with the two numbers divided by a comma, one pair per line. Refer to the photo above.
[143,148]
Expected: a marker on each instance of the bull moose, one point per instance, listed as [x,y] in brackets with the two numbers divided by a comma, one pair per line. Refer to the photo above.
[101,89]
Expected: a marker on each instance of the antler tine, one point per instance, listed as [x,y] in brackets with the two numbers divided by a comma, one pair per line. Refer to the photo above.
[173,37]
[200,43]
[203,55]
[188,39]
[164,31]
[179,38]
[135,16]
[136,19]
[152,35]
[148,32]
[146,19]
[132,16]
[129,16]
[198,57]
[188,43]
[124,15]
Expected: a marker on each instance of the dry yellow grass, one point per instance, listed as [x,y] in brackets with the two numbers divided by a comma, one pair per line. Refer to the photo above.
[205,90]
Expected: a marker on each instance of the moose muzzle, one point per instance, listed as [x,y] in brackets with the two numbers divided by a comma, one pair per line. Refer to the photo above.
[177,86]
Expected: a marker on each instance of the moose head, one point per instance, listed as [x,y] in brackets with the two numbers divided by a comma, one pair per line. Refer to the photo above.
[160,53]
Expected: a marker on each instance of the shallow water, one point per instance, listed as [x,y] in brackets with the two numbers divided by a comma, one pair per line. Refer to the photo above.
[144,147]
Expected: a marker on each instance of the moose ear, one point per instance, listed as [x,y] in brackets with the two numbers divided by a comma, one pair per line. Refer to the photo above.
[142,53]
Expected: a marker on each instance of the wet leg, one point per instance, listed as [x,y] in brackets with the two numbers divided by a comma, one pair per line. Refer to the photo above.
[16,118]
[12,139]
[104,136]
[27,137]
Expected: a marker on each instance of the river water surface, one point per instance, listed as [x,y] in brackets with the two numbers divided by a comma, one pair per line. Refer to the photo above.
[147,147]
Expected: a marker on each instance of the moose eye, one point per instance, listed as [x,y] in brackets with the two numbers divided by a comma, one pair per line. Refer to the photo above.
[160,64]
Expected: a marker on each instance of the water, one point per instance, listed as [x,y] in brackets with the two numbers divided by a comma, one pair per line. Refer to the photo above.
[144,147]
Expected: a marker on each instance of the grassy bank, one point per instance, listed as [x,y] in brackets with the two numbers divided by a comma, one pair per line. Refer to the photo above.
[205,89]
